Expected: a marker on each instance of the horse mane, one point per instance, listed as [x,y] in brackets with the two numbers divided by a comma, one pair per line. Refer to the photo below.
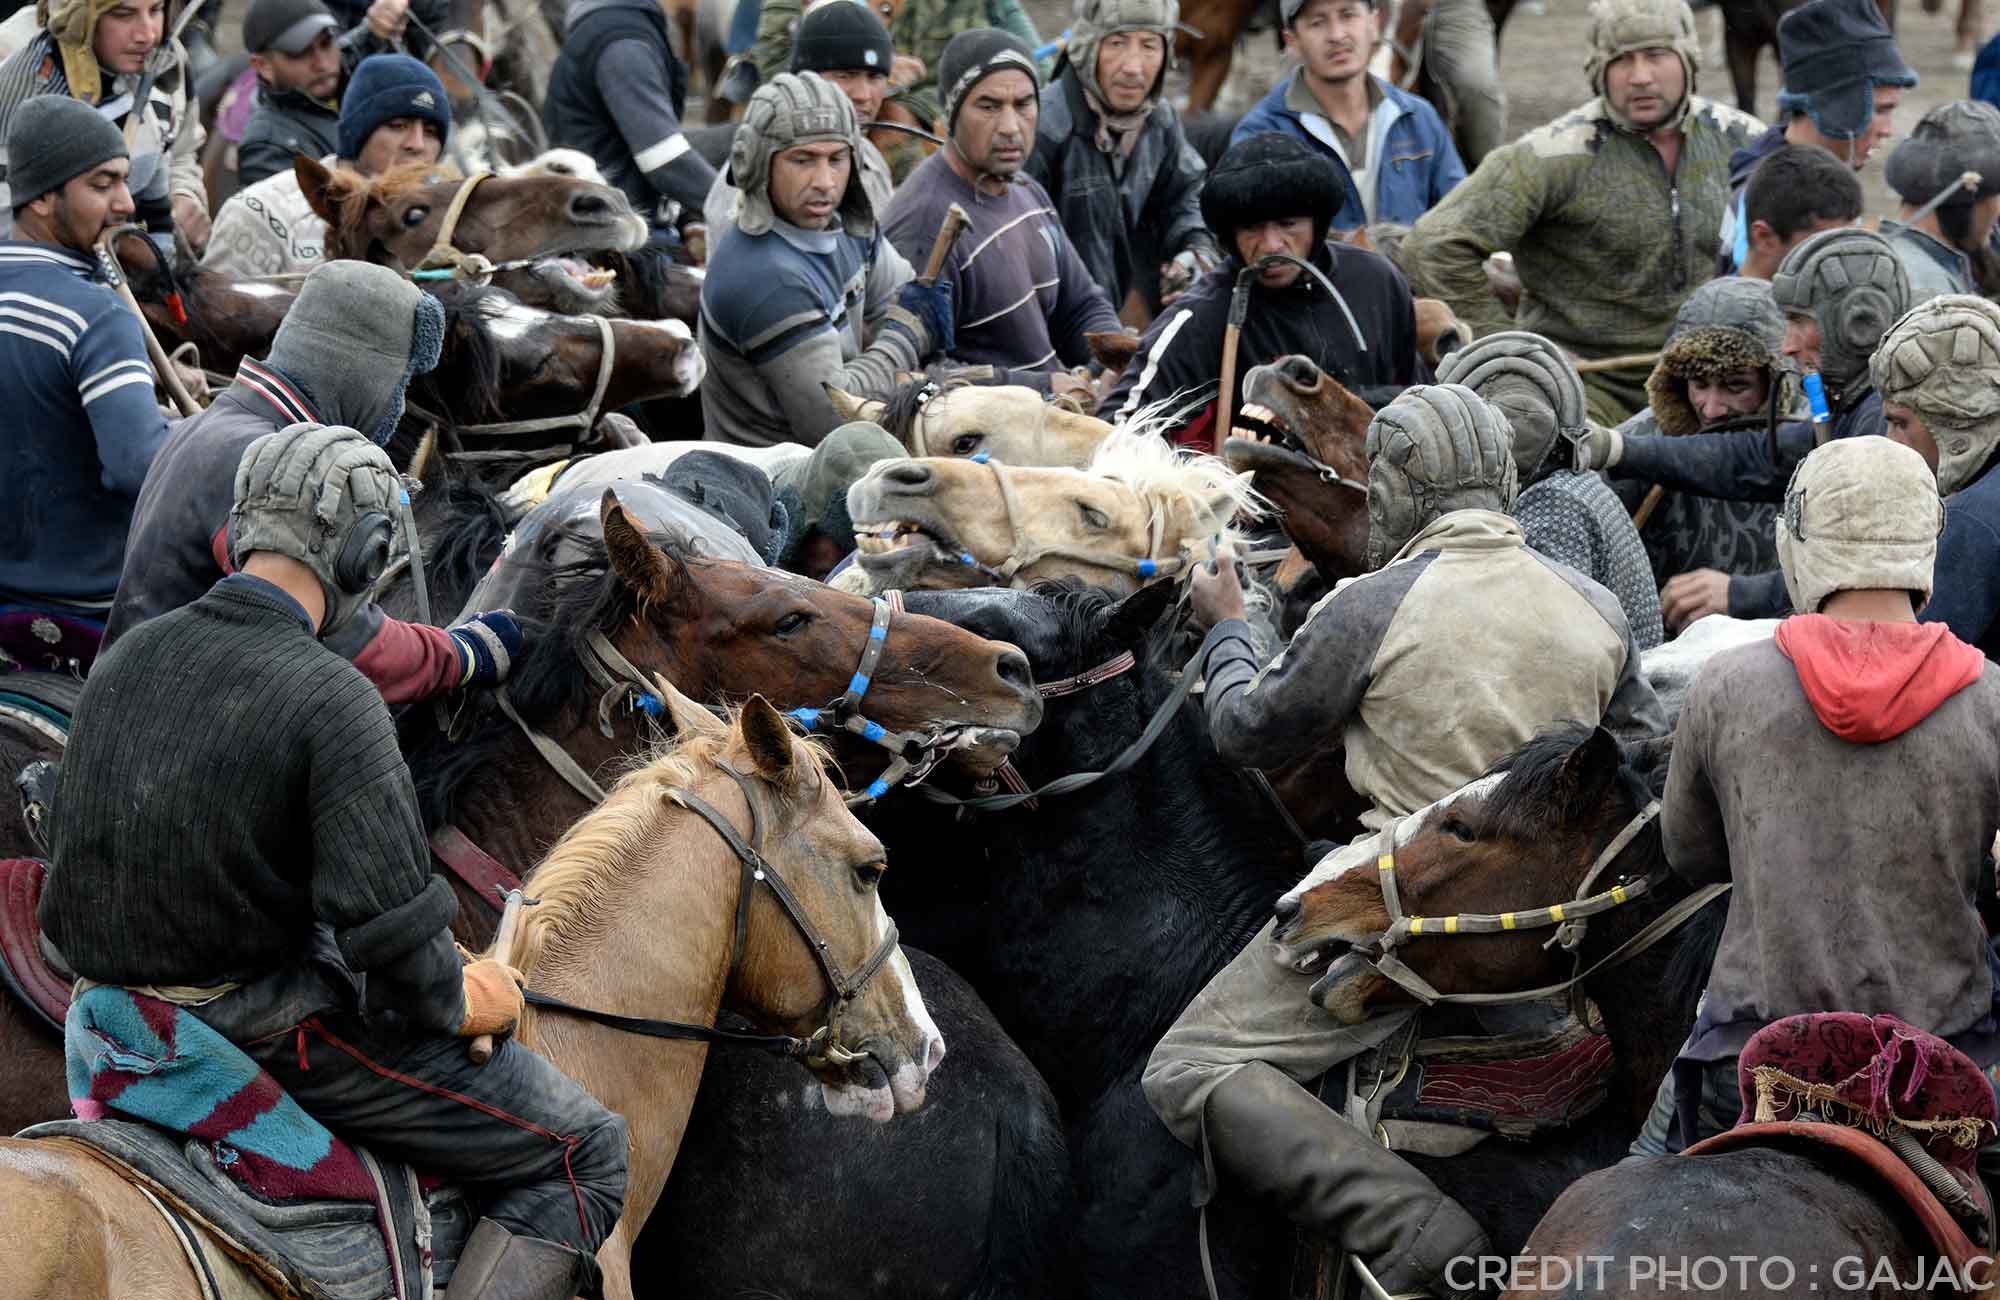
[899,415]
[581,881]
[1138,455]
[470,368]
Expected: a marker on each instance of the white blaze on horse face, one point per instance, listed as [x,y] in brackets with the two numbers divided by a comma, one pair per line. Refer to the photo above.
[912,1076]
[512,321]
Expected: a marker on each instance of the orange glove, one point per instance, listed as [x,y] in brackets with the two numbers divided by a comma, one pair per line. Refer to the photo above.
[492,998]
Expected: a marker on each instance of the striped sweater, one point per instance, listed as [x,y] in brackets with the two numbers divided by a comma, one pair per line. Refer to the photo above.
[78,392]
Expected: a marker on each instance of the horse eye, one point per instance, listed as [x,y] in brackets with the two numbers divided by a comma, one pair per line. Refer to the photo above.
[966,443]
[1458,830]
[416,215]
[1093,516]
[870,873]
[791,623]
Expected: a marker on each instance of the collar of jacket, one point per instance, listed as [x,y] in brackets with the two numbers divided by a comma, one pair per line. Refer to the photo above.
[1464,530]
[295,101]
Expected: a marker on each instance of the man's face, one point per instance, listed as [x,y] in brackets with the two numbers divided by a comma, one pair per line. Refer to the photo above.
[127,34]
[864,88]
[1768,248]
[1128,65]
[1740,392]
[1907,427]
[397,141]
[1646,86]
[996,126]
[315,70]
[1283,235]
[75,215]
[1334,38]
[808,180]
[1802,342]
[1857,151]
[1985,213]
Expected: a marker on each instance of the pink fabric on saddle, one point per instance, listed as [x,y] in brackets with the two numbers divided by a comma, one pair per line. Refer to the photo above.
[1874,1073]
[28,971]
[1517,1097]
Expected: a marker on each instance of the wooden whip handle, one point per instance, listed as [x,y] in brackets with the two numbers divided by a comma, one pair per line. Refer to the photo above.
[955,222]
[480,1050]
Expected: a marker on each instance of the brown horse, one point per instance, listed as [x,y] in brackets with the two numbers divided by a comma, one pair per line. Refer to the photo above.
[718,630]
[396,218]
[1307,454]
[641,866]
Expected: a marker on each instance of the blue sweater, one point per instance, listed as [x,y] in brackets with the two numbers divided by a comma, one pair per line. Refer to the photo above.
[1967,584]
[83,427]
[1410,154]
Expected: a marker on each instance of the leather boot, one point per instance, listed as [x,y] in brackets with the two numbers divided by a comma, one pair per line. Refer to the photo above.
[1271,1137]
[497,1265]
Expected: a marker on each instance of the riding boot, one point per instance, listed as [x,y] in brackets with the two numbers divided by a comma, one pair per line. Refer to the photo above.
[1273,1138]
[497,1265]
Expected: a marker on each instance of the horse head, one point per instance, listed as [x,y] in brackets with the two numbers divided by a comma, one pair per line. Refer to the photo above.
[1310,459]
[396,218]
[1524,836]
[1010,423]
[725,630]
[1138,512]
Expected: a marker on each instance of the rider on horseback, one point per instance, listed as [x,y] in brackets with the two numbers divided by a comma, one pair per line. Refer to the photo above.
[1846,778]
[1382,666]
[1927,170]
[346,351]
[249,846]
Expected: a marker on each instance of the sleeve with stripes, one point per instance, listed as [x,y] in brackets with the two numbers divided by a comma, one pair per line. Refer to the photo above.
[114,381]
[633,82]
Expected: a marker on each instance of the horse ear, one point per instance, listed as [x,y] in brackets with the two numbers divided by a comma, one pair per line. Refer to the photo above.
[1114,349]
[688,716]
[640,566]
[769,740]
[1128,622]
[1588,773]
[314,178]
[850,407]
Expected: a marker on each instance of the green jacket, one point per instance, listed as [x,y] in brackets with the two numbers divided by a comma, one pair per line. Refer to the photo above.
[1607,245]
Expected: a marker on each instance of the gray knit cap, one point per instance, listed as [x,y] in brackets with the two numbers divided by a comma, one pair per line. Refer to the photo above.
[1535,386]
[1860,514]
[1854,287]
[1729,324]
[972,57]
[52,140]
[353,340]
[793,108]
[325,496]
[1435,449]
[1943,362]
[1621,27]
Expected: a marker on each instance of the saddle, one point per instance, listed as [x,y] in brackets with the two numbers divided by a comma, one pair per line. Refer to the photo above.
[24,963]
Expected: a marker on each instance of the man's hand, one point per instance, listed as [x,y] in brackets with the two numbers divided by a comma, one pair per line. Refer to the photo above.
[905,70]
[694,237]
[1689,596]
[388,18]
[487,647]
[1214,593]
[1599,448]
[931,305]
[1177,275]
[1076,385]
[493,999]
[191,221]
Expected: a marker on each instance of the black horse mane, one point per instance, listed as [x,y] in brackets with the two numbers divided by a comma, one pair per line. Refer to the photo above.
[466,382]
[900,415]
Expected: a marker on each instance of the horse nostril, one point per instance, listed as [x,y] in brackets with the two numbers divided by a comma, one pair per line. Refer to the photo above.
[1011,666]
[1286,911]
[908,474]
[933,1055]
[1300,371]
[586,203]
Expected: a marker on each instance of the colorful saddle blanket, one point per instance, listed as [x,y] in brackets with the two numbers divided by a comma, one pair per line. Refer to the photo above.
[24,967]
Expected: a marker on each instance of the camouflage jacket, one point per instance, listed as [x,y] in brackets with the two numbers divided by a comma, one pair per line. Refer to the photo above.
[921,27]
[1607,244]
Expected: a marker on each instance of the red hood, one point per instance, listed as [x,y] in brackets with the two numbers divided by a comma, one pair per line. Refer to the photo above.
[1874,681]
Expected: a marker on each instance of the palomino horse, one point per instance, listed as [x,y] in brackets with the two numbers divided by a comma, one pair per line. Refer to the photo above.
[405,218]
[1011,423]
[643,866]
[1544,829]
[1140,511]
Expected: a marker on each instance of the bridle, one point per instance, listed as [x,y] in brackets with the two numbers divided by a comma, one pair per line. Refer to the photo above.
[1021,553]
[824,1047]
[582,421]
[1570,919]
[932,391]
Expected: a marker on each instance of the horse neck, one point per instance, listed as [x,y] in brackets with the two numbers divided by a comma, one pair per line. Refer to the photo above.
[688,888]
[1646,1017]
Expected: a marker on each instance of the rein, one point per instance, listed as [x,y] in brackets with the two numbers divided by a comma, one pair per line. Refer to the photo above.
[824,1047]
[1020,554]
[1569,918]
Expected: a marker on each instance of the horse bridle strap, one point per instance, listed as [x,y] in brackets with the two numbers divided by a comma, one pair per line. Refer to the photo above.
[584,420]
[1020,555]
[442,254]
[912,753]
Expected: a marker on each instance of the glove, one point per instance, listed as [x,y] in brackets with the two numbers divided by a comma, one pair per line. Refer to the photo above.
[930,306]
[487,648]
[1597,447]
[492,999]
[1186,266]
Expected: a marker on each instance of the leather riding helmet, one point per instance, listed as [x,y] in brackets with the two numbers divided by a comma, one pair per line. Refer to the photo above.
[328,498]
[1860,514]
[793,108]
[1943,362]
[1435,449]
[1851,284]
[1535,386]
[1727,325]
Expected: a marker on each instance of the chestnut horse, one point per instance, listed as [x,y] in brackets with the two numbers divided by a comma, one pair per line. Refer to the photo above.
[1307,454]
[1522,838]
[642,866]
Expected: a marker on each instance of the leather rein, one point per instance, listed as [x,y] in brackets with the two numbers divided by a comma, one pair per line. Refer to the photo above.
[1570,919]
[824,1047]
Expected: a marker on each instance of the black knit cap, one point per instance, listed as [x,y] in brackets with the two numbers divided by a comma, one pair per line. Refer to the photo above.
[974,56]
[842,36]
[1264,178]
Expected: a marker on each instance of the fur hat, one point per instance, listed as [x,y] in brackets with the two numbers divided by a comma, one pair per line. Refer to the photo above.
[790,109]
[1435,449]
[328,498]
[1727,325]
[1860,514]
[72,25]
[1267,176]
[1534,384]
[972,57]
[1943,362]
[1620,27]
[842,37]
[1833,54]
[1854,287]
[1947,142]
